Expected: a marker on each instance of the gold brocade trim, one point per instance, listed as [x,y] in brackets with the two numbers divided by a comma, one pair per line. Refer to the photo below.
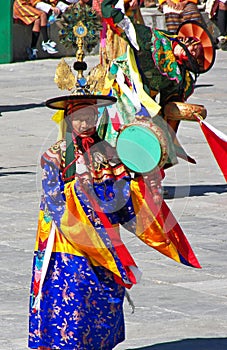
[103,178]
[110,172]
[120,170]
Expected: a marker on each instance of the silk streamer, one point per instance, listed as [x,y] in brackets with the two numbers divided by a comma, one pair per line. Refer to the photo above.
[152,107]
[158,228]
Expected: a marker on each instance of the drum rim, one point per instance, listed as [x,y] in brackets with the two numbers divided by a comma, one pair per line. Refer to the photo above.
[179,105]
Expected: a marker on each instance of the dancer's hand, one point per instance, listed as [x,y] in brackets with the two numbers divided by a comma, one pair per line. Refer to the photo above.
[56,10]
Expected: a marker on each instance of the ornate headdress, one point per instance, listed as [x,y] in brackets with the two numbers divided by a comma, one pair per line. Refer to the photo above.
[76,31]
[80,27]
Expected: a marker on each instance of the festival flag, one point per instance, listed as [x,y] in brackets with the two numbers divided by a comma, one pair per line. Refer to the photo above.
[217,141]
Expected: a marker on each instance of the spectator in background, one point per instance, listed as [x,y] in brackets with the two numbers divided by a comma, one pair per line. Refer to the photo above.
[222,17]
[54,7]
[176,12]
[217,12]
[25,11]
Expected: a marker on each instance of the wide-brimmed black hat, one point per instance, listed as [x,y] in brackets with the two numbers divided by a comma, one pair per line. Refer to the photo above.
[80,101]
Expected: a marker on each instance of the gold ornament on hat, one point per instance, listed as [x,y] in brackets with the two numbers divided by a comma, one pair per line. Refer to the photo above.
[80,28]
[64,77]
[96,78]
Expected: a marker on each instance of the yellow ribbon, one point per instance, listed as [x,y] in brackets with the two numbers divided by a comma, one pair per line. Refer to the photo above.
[58,118]
[152,107]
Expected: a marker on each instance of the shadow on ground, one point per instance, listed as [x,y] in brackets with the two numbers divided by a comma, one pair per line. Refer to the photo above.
[14,108]
[190,344]
[203,85]
[7,172]
[193,190]
[16,173]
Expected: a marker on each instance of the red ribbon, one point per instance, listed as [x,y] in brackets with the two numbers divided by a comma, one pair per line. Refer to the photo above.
[87,142]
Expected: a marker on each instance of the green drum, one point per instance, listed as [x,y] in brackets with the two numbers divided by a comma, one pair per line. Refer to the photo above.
[141,148]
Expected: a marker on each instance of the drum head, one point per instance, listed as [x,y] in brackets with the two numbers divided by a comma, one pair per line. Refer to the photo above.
[139,148]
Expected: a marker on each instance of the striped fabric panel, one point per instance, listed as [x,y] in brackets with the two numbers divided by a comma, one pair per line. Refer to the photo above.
[23,11]
[173,20]
[191,12]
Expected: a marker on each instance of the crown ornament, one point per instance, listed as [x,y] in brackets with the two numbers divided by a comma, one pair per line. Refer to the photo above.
[79,28]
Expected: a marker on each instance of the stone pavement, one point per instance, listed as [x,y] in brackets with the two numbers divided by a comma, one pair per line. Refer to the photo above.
[177,307]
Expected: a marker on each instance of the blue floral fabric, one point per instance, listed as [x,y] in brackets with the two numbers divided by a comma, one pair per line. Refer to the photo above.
[81,308]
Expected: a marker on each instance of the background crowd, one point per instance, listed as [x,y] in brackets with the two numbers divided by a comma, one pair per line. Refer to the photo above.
[41,14]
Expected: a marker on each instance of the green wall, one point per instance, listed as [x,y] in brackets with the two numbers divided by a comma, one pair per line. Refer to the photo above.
[6,21]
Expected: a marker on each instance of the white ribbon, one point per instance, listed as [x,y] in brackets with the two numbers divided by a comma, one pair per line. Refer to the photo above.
[129,30]
[46,260]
